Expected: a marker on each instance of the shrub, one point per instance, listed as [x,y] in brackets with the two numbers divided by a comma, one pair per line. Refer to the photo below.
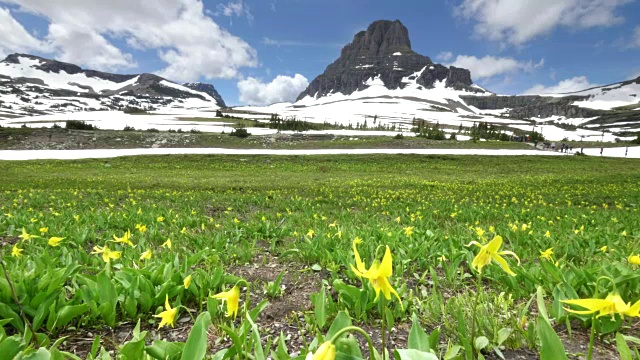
[129,128]
[154,130]
[56,126]
[195,131]
[79,125]
[399,136]
[453,137]
[240,132]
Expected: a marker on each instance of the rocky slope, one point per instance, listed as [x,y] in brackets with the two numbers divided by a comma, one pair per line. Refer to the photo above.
[384,51]
[32,85]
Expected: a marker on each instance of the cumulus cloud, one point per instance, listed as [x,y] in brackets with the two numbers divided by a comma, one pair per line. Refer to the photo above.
[518,21]
[490,66]
[444,56]
[189,41]
[14,36]
[573,84]
[281,89]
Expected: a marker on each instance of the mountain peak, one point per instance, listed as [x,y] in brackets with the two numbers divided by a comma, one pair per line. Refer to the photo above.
[384,51]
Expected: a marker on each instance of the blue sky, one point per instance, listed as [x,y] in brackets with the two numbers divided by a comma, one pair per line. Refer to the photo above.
[511,46]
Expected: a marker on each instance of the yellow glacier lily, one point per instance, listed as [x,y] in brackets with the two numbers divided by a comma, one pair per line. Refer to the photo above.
[167,244]
[232,297]
[378,274]
[107,254]
[326,351]
[16,251]
[168,316]
[187,282]
[490,252]
[611,305]
[146,255]
[547,254]
[55,241]
[25,236]
[124,239]
[634,259]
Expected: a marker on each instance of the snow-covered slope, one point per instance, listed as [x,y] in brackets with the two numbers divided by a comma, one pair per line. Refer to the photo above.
[31,85]
[607,97]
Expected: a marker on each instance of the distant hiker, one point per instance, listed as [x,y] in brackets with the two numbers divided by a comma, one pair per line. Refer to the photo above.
[626,152]
[601,150]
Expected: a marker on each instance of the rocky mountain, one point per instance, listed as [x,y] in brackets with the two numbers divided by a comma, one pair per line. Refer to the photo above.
[207,89]
[384,51]
[32,85]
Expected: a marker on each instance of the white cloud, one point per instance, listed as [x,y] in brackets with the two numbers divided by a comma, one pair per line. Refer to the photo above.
[518,21]
[235,8]
[574,84]
[97,52]
[635,41]
[490,66]
[444,56]
[14,36]
[281,89]
[189,41]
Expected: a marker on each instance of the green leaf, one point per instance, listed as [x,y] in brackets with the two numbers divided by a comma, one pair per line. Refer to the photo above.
[281,353]
[349,346]
[418,339]
[412,354]
[434,338]
[319,301]
[481,342]
[452,352]
[68,313]
[551,347]
[7,313]
[623,348]
[162,350]
[11,346]
[340,322]
[503,335]
[196,347]
[108,298]
[316,267]
[41,354]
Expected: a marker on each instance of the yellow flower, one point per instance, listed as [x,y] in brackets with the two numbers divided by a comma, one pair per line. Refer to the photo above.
[141,228]
[491,252]
[479,231]
[44,230]
[326,351]
[611,305]
[236,221]
[167,244]
[232,298]
[492,229]
[124,239]
[408,231]
[187,282]
[160,219]
[184,230]
[16,251]
[107,254]
[311,233]
[168,316]
[146,255]
[604,249]
[634,259]
[547,234]
[547,254]
[360,266]
[55,241]
[378,274]
[25,236]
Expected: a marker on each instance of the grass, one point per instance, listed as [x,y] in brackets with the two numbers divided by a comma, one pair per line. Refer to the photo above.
[223,212]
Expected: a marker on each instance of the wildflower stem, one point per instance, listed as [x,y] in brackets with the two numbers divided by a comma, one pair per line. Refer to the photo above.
[15,298]
[383,331]
[592,338]
[475,307]
[361,332]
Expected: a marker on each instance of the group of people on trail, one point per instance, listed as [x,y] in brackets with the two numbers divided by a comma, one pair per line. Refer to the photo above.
[564,148]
